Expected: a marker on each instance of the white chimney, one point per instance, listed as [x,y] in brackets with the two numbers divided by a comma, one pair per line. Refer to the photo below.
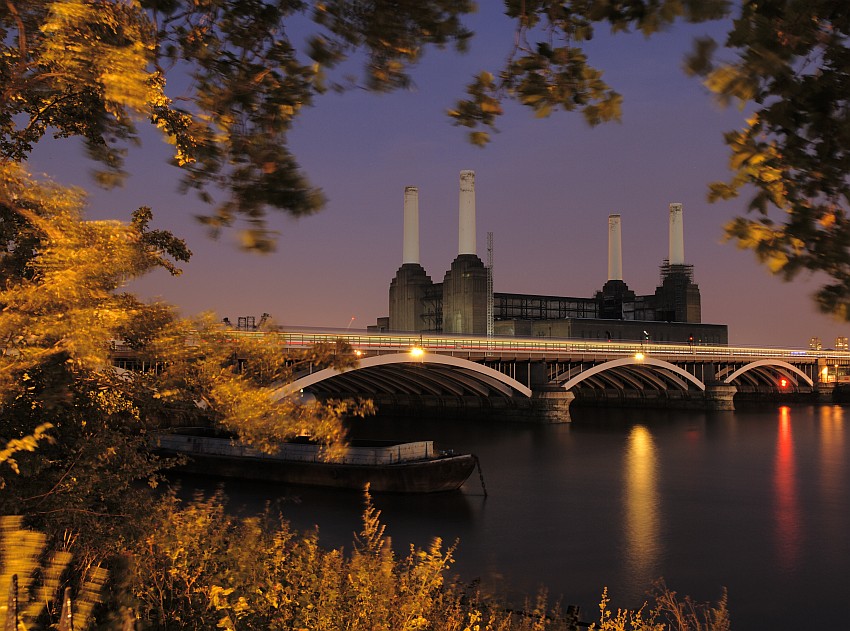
[615,249]
[410,251]
[677,236]
[466,223]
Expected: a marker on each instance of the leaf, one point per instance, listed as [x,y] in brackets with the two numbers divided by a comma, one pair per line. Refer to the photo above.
[479,138]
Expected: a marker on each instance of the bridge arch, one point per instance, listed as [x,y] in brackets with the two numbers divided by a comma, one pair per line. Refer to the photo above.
[462,375]
[675,374]
[784,367]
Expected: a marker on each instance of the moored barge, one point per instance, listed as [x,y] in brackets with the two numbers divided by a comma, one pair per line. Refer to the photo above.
[386,466]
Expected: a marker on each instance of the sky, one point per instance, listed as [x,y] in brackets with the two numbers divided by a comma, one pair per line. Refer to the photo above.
[544,187]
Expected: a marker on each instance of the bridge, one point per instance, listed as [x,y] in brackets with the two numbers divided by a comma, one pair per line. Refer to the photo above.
[538,378]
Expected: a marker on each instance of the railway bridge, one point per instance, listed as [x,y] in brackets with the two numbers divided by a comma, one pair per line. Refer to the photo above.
[538,378]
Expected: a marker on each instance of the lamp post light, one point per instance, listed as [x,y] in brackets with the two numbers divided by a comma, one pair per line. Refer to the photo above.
[417,351]
[643,340]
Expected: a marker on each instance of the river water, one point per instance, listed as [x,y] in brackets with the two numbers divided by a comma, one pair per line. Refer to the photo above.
[757,502]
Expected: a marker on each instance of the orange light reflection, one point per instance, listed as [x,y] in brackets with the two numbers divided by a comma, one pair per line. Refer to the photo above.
[642,506]
[787,509]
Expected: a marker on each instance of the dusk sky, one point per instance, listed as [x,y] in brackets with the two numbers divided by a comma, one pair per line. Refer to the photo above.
[544,187]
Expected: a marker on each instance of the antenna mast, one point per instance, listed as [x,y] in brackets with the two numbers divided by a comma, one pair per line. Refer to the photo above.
[489,284]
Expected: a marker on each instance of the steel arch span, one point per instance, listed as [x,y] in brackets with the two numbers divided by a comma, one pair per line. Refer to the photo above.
[672,373]
[466,369]
[784,368]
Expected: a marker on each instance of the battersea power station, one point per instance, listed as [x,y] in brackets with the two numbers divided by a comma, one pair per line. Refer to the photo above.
[465,303]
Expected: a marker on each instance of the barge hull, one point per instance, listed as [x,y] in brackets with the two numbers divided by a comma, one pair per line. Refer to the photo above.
[427,476]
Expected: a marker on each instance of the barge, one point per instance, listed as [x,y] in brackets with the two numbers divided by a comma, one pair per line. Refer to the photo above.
[386,466]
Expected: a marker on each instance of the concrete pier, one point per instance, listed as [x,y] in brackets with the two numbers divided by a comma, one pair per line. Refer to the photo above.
[720,396]
[552,405]
[826,393]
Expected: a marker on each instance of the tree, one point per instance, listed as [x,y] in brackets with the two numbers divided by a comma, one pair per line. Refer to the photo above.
[93,68]
[793,72]
[60,311]
[76,430]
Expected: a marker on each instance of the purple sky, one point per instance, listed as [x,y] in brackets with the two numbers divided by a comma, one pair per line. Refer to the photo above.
[544,187]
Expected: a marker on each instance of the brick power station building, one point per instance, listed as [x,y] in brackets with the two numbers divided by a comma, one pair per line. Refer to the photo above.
[465,303]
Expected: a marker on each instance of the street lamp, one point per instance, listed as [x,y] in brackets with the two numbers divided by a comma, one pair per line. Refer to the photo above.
[416,351]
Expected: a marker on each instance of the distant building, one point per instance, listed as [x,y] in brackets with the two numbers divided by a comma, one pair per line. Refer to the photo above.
[841,343]
[815,344]
[459,305]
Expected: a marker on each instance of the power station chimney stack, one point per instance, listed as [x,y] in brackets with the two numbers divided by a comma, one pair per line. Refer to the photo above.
[677,299]
[615,293]
[615,249]
[466,223]
[411,284]
[677,238]
[410,251]
[465,284]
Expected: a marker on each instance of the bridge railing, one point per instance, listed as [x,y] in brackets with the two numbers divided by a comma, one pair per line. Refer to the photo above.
[448,344]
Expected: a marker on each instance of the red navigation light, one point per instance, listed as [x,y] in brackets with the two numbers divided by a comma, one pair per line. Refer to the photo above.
[783,383]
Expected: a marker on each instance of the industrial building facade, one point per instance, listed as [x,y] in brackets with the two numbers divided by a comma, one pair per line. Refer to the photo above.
[460,304]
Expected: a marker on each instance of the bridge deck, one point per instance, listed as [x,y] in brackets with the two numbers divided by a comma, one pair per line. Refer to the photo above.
[513,348]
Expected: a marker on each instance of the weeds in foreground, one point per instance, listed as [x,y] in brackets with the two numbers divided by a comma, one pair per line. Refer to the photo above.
[664,612]
[200,568]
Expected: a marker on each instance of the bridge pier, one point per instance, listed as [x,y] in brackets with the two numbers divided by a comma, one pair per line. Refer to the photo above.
[825,392]
[720,396]
[551,404]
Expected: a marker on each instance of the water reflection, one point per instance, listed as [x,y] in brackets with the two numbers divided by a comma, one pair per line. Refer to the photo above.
[694,497]
[641,506]
[832,468]
[787,508]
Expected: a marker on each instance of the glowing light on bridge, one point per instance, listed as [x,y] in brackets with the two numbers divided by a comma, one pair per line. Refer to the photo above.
[639,356]
[416,352]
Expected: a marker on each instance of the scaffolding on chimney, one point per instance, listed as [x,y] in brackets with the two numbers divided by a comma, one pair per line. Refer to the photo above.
[490,306]
[668,269]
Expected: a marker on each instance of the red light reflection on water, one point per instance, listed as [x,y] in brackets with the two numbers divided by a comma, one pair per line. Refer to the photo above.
[787,509]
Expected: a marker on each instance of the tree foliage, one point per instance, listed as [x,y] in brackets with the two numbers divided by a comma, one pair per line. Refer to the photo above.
[791,68]
[547,69]
[94,68]
[60,310]
[76,430]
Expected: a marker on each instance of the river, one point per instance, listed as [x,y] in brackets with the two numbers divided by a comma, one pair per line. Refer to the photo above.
[757,502]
